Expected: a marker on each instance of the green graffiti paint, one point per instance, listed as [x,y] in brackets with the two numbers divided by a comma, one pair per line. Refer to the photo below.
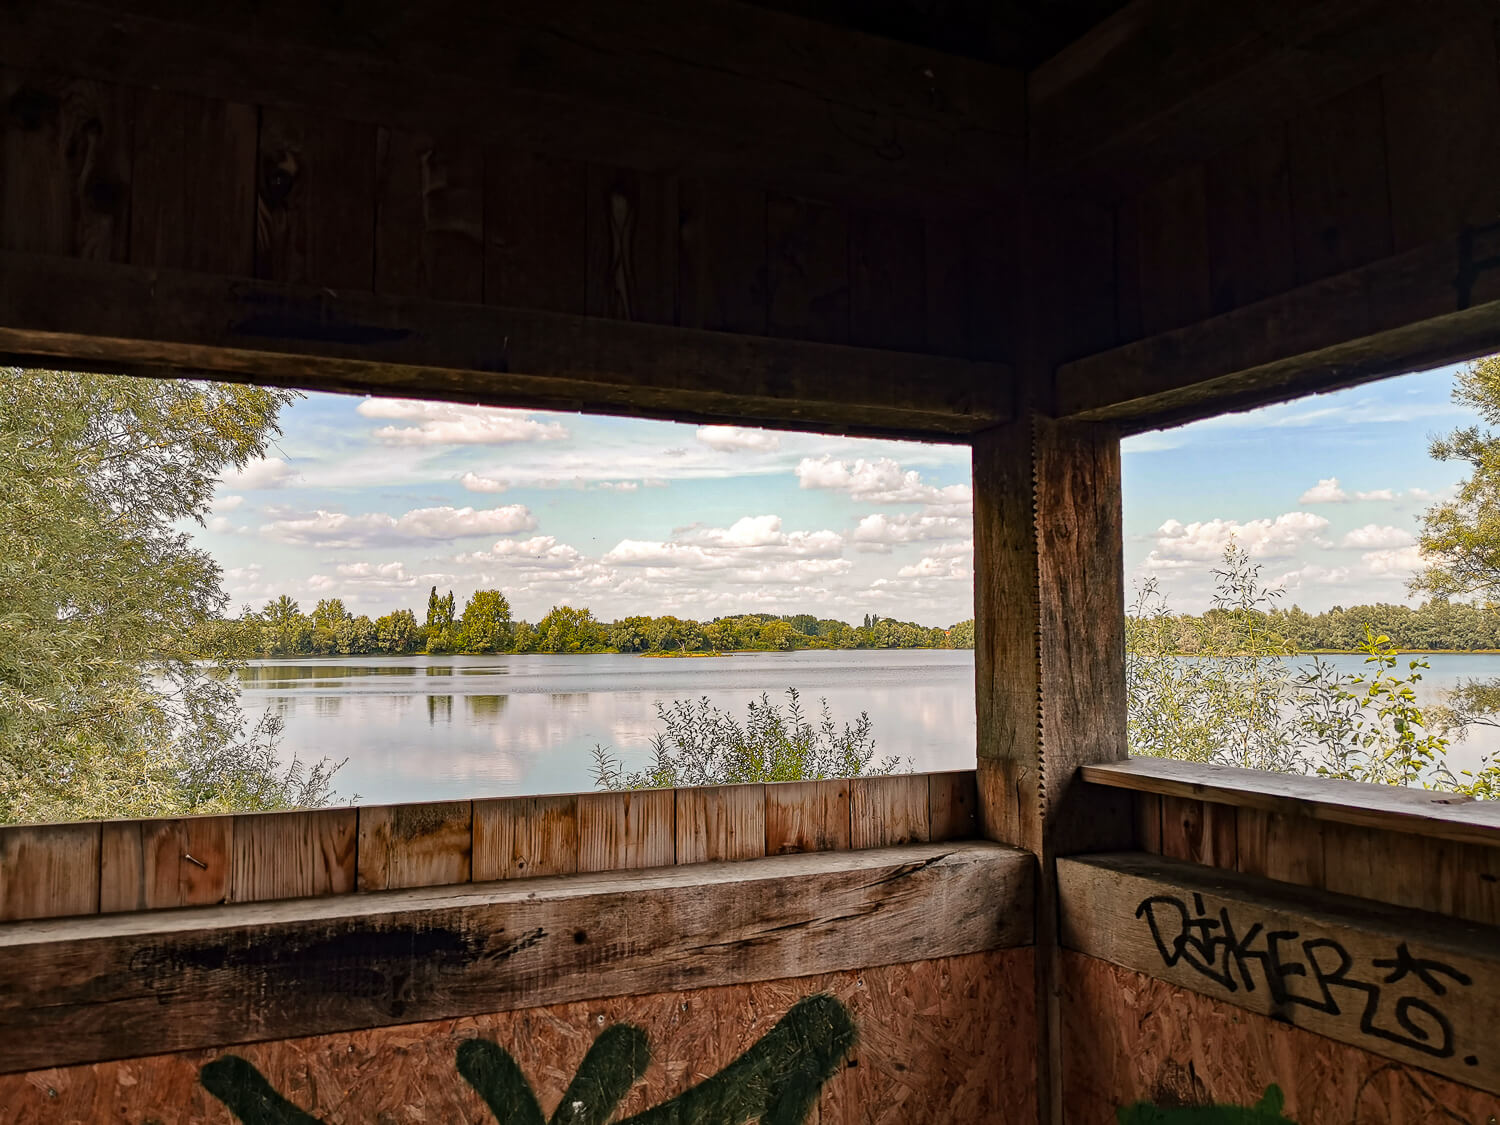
[1267,1111]
[776,1082]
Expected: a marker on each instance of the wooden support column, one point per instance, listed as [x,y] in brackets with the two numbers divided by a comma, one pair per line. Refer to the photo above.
[1049,663]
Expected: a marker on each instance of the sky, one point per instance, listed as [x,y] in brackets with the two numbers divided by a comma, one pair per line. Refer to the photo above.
[377,500]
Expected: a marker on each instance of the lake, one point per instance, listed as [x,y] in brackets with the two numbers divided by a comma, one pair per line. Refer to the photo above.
[428,728]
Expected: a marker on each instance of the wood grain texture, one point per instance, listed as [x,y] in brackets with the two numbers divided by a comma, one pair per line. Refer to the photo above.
[723,822]
[1148,823]
[807,816]
[1340,200]
[1442,120]
[160,322]
[632,232]
[536,232]
[807,269]
[886,811]
[429,218]
[1279,845]
[1175,281]
[1129,1038]
[1443,816]
[887,280]
[1401,870]
[293,854]
[516,837]
[1250,239]
[1414,987]
[415,845]
[924,1053]
[98,988]
[1436,304]
[192,203]
[315,201]
[632,830]
[49,871]
[1199,831]
[65,166]
[722,261]
[953,806]
[160,864]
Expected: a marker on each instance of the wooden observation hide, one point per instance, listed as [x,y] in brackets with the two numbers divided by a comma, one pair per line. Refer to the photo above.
[1029,226]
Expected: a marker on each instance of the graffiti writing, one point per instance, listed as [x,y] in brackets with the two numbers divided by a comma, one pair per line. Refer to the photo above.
[776,1082]
[1397,997]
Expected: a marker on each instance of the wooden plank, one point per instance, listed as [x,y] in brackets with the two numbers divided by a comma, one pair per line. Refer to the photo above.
[973,280]
[1434,305]
[953,806]
[1442,119]
[885,811]
[49,871]
[808,269]
[626,831]
[415,845]
[536,232]
[887,280]
[82,991]
[65,166]
[1173,255]
[1161,1050]
[1413,987]
[669,87]
[1477,893]
[1164,84]
[1072,294]
[1279,845]
[516,837]
[160,864]
[722,258]
[293,854]
[159,322]
[724,822]
[1198,831]
[315,201]
[1341,216]
[1148,823]
[632,245]
[807,816]
[1250,239]
[1128,269]
[1389,867]
[429,218]
[1424,812]
[192,203]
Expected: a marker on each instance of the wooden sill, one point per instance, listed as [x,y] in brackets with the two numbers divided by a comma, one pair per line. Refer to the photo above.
[1421,812]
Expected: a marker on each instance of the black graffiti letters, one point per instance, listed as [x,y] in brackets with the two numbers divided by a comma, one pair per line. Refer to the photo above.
[1396,998]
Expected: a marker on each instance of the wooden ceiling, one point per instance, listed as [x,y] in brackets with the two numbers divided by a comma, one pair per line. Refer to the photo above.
[1019,33]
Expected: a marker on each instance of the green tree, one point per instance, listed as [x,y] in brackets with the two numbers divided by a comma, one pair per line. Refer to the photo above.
[440,632]
[331,627]
[106,709]
[398,632]
[287,631]
[486,622]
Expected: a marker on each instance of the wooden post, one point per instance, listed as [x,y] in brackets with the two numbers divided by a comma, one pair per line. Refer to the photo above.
[1049,664]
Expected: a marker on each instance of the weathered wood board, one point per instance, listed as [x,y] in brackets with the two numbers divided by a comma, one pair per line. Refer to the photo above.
[95,988]
[1169,1054]
[926,1050]
[1417,988]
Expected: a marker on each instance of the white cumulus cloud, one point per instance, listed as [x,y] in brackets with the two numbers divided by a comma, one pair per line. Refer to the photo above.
[729,439]
[1374,536]
[260,474]
[476,483]
[338,530]
[444,423]
[879,531]
[1399,561]
[1205,540]
[881,481]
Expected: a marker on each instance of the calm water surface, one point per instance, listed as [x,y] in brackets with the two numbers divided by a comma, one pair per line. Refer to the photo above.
[429,728]
[435,727]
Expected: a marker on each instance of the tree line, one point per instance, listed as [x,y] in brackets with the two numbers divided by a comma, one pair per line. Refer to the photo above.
[1434,626]
[486,626]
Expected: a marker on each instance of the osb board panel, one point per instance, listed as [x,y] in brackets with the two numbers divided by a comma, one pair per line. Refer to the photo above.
[1129,1038]
[936,1041]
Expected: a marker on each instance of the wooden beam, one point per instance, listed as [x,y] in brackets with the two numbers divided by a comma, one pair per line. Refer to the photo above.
[91,989]
[1418,988]
[1166,83]
[708,86]
[152,322]
[1422,812]
[1428,306]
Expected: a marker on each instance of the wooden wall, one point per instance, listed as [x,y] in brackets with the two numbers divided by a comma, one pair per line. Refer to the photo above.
[936,1041]
[58,870]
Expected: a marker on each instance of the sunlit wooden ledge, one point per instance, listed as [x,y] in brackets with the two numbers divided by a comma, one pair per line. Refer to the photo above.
[88,989]
[1423,812]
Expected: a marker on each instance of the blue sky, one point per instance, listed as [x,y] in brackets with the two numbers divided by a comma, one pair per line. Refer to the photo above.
[377,500]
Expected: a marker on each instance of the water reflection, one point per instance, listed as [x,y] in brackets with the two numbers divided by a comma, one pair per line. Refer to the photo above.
[393,718]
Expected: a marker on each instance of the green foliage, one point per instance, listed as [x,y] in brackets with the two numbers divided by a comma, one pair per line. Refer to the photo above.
[486,623]
[703,745]
[106,607]
[566,629]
